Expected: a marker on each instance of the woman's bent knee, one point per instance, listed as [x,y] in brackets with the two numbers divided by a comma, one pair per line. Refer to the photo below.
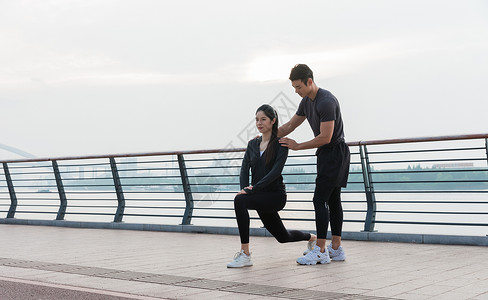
[239,201]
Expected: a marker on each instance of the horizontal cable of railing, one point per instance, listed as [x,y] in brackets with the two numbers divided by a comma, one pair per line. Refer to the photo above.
[199,185]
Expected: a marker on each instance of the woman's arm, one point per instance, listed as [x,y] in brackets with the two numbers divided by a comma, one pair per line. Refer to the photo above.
[244,176]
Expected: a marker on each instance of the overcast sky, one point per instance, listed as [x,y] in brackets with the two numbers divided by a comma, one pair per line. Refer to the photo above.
[99,77]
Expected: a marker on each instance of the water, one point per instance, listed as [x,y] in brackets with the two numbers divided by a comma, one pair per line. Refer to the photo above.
[168,208]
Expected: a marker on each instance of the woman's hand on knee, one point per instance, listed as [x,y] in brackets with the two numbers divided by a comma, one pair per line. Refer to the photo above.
[241,192]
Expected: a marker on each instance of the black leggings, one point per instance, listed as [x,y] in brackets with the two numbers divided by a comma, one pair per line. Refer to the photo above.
[267,204]
[325,199]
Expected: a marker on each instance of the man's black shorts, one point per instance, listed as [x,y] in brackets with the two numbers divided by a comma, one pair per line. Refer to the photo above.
[333,165]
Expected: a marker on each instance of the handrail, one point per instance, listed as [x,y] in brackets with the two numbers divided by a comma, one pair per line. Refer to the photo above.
[357,143]
[149,188]
[422,139]
[124,155]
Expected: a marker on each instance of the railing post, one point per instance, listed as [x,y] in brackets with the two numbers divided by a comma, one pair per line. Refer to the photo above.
[369,222]
[118,190]
[62,196]
[11,190]
[187,190]
[486,146]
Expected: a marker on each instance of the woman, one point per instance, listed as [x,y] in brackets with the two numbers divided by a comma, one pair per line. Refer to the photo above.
[266,194]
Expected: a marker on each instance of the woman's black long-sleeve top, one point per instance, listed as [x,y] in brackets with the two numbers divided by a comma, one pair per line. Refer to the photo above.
[264,178]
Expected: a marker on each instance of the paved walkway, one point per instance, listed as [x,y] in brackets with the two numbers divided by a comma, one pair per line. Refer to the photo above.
[38,262]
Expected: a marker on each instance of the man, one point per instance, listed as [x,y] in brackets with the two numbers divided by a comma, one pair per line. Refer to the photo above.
[323,113]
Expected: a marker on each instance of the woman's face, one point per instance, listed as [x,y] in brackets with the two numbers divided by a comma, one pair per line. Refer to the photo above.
[263,123]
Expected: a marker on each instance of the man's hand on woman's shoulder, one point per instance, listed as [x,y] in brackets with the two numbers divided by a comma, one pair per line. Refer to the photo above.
[290,143]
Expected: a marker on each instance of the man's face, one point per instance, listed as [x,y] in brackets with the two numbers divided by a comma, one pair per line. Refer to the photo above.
[302,89]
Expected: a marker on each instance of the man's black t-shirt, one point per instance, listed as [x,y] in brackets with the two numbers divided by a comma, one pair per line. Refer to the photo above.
[333,159]
[323,108]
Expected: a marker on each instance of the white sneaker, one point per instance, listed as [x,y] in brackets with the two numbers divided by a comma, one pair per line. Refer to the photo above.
[315,256]
[310,246]
[336,255]
[240,260]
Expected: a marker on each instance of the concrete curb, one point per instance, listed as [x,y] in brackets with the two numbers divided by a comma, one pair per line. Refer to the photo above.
[357,236]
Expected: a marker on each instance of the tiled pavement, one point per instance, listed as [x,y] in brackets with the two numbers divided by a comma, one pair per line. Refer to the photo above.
[121,264]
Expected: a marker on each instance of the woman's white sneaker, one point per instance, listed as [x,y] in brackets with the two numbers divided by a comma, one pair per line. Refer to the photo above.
[314,257]
[240,260]
[336,255]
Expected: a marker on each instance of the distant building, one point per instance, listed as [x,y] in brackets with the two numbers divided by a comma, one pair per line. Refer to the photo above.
[127,166]
[453,165]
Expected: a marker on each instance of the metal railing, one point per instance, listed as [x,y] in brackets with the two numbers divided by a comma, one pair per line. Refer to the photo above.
[434,184]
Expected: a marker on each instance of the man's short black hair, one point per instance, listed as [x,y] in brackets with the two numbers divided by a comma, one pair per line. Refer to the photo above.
[301,72]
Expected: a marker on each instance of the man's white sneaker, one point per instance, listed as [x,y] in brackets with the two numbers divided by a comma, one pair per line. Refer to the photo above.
[336,255]
[314,257]
[240,260]
[310,246]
